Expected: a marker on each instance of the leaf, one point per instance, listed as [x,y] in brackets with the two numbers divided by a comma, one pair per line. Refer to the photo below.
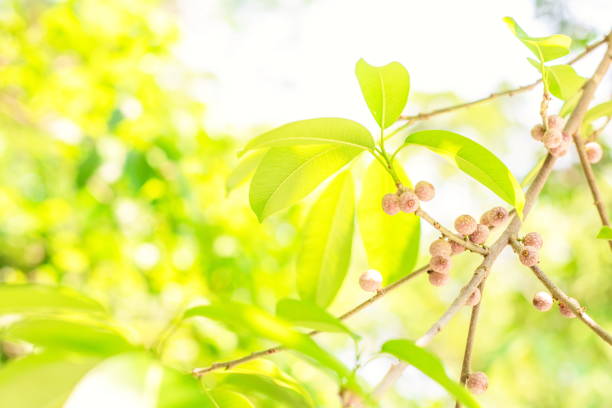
[391,242]
[244,169]
[570,104]
[385,90]
[259,323]
[51,333]
[288,174]
[431,366]
[261,387]
[327,238]
[307,314]
[544,48]
[315,131]
[474,160]
[596,112]
[42,380]
[605,233]
[561,80]
[33,298]
[229,399]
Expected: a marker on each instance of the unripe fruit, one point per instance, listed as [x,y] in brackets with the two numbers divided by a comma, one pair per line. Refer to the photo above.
[370,280]
[565,309]
[552,138]
[555,122]
[391,204]
[424,190]
[542,301]
[477,382]
[497,216]
[567,138]
[533,239]
[465,224]
[474,298]
[484,219]
[440,247]
[456,248]
[480,235]
[537,132]
[560,150]
[593,151]
[440,264]
[438,279]
[408,202]
[529,256]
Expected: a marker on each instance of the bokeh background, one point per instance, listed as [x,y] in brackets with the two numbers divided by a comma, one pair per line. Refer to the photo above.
[120,122]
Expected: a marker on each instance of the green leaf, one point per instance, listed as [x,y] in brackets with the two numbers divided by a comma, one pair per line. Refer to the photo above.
[224,398]
[288,174]
[561,80]
[315,131]
[244,170]
[391,242]
[596,112]
[69,335]
[32,298]
[605,233]
[429,365]
[259,323]
[42,380]
[544,48]
[385,90]
[327,238]
[307,314]
[570,104]
[267,389]
[474,160]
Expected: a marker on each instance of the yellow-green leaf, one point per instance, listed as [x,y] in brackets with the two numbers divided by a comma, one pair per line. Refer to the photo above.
[245,168]
[307,314]
[605,233]
[544,48]
[34,298]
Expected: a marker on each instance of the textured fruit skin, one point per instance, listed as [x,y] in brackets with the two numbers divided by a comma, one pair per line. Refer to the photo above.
[565,309]
[440,264]
[555,122]
[465,224]
[542,301]
[408,202]
[559,151]
[474,298]
[480,235]
[529,256]
[438,279]
[537,132]
[370,280]
[425,191]
[477,382]
[440,247]
[484,219]
[593,151]
[391,204]
[552,138]
[497,216]
[456,248]
[533,239]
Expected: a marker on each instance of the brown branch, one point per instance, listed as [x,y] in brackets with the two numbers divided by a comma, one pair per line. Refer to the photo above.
[449,234]
[562,297]
[382,292]
[510,92]
[511,231]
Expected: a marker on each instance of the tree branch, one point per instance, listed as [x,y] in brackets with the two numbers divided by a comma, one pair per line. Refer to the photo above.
[382,292]
[561,296]
[510,92]
[449,234]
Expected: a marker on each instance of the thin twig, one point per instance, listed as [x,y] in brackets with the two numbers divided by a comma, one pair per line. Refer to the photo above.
[562,297]
[382,292]
[510,92]
[449,234]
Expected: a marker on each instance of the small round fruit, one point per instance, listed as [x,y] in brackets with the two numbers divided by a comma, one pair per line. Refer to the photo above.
[497,216]
[529,256]
[440,247]
[555,122]
[456,248]
[542,301]
[440,264]
[593,151]
[408,202]
[474,298]
[370,280]
[480,235]
[438,279]
[477,382]
[484,219]
[533,239]
[559,151]
[537,132]
[424,190]
[565,309]
[465,224]
[390,204]
[552,138]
